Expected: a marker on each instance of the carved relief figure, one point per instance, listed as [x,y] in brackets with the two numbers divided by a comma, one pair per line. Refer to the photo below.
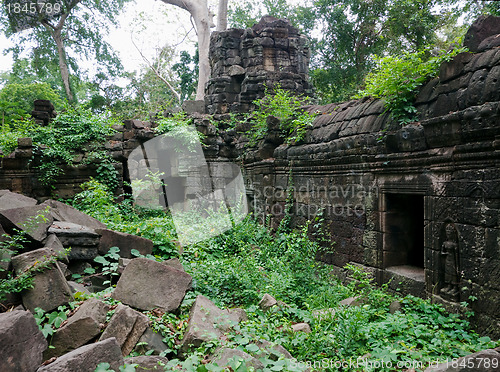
[449,254]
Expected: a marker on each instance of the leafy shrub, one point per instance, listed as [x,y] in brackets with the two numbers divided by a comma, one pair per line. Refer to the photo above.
[294,121]
[49,322]
[11,131]
[396,80]
[72,131]
[98,201]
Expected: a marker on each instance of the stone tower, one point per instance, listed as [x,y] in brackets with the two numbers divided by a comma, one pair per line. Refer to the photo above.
[244,62]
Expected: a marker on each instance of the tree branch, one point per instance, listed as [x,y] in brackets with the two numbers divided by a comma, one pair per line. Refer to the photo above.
[156,72]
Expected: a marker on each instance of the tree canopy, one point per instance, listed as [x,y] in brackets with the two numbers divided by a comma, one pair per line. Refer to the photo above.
[57,44]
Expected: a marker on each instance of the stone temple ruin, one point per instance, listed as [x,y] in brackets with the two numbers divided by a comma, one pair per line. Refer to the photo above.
[245,62]
[416,206]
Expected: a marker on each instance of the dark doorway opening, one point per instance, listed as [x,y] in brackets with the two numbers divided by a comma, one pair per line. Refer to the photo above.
[404,230]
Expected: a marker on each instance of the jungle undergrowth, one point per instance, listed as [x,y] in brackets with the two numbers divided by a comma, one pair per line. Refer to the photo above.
[237,267]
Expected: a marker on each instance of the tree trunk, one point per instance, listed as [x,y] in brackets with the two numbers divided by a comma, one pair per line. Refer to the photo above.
[222,16]
[63,64]
[56,33]
[203,23]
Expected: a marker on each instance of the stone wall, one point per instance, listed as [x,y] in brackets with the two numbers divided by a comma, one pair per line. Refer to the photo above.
[18,170]
[244,62]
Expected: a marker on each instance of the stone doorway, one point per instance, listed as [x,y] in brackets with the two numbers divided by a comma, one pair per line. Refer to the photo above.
[403,226]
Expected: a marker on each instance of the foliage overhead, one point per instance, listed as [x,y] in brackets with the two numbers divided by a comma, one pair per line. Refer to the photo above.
[187,71]
[72,36]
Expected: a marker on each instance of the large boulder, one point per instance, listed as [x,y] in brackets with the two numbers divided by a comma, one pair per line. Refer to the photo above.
[11,200]
[482,361]
[50,288]
[147,284]
[148,363]
[482,28]
[88,357]
[126,242]
[84,325]
[206,322]
[21,342]
[66,213]
[126,326]
[82,240]
[33,221]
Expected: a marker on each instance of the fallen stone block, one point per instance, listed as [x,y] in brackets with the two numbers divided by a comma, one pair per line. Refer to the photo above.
[301,327]
[126,242]
[271,350]
[33,221]
[92,308]
[482,361]
[66,213]
[122,264]
[267,302]
[353,301]
[11,200]
[78,288]
[206,322]
[150,340]
[53,243]
[223,357]
[82,240]
[88,357]
[21,342]
[238,314]
[395,306]
[136,287]
[127,326]
[72,336]
[50,288]
[148,363]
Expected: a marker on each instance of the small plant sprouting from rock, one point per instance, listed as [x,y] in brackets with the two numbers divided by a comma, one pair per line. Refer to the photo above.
[49,322]
[396,80]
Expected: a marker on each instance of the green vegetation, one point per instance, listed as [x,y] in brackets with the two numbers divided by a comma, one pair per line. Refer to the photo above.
[75,131]
[396,80]
[287,108]
[236,268]
[16,101]
[49,322]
